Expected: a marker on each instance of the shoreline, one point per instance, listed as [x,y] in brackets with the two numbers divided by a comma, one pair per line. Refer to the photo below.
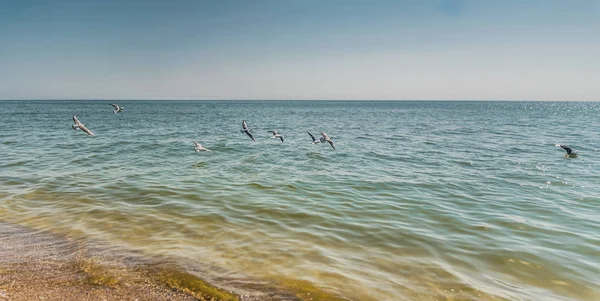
[40,265]
[44,266]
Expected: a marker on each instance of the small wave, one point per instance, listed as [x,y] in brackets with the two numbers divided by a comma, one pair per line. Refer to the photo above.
[199,165]
[258,186]
[315,155]
[15,164]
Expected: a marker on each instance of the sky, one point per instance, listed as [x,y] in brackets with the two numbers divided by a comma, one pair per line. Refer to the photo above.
[300,49]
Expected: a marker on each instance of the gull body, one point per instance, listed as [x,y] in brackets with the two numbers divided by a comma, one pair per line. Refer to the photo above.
[246,129]
[118,109]
[276,135]
[570,152]
[314,140]
[328,140]
[198,147]
[80,126]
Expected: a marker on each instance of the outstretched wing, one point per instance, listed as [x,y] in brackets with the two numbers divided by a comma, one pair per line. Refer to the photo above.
[273,131]
[325,136]
[567,149]
[116,106]
[250,135]
[244,125]
[281,137]
[331,143]
[196,144]
[86,130]
[312,137]
[76,120]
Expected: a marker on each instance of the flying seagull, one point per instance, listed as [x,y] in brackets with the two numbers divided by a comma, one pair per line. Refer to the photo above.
[570,152]
[276,135]
[80,126]
[117,108]
[326,138]
[198,147]
[314,140]
[246,129]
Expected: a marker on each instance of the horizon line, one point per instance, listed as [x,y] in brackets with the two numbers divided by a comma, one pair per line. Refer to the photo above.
[256,99]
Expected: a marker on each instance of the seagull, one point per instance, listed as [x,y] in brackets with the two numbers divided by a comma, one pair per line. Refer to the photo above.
[117,108]
[198,147]
[246,129]
[570,152]
[326,138]
[276,135]
[80,126]
[314,140]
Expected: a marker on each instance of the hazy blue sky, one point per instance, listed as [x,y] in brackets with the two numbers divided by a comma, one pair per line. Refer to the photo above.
[300,49]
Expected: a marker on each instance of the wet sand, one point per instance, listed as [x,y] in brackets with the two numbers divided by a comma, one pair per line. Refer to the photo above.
[38,265]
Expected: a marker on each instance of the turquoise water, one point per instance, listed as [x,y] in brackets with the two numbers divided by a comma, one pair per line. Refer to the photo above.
[420,201]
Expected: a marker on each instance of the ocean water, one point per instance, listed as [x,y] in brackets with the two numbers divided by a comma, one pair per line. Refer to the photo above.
[420,201]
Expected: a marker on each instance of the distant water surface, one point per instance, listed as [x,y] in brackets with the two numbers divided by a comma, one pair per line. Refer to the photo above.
[421,200]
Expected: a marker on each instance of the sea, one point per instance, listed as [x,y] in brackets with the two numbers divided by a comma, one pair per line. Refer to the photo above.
[420,200]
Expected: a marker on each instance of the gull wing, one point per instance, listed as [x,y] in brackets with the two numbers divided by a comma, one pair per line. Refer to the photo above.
[567,149]
[86,130]
[244,125]
[331,143]
[196,144]
[312,137]
[250,135]
[325,136]
[116,106]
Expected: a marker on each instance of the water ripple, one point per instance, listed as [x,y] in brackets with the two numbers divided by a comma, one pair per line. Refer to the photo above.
[454,200]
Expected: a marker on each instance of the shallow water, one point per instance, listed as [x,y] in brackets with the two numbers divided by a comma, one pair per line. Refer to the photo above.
[421,200]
